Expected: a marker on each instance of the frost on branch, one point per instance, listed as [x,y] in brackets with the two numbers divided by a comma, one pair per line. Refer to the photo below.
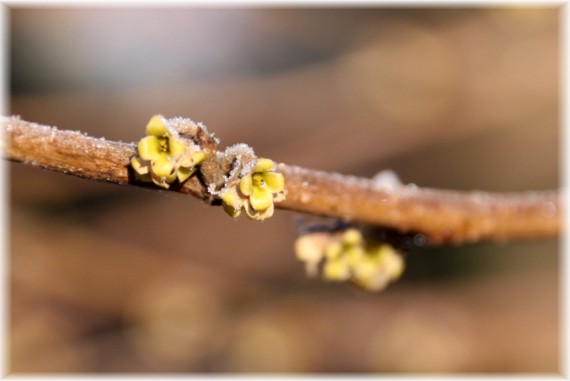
[242,160]
[175,149]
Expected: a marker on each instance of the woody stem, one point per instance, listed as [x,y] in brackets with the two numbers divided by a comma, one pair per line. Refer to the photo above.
[443,216]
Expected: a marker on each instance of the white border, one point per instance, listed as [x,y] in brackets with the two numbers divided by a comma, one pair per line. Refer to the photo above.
[281,3]
[564,262]
[4,261]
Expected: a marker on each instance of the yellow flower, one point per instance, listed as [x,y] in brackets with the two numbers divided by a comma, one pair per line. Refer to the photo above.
[232,203]
[348,256]
[256,192]
[381,266]
[163,156]
[310,249]
[341,256]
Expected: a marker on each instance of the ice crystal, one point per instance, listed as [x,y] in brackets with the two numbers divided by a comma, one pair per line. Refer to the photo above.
[386,180]
[244,158]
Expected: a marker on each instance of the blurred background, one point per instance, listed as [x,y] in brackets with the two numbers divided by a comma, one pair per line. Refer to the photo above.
[119,279]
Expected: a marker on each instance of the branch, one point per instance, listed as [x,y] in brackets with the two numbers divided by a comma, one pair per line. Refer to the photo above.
[442,216]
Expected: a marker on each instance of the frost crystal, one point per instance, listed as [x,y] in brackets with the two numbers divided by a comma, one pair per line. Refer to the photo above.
[386,180]
[244,158]
[243,161]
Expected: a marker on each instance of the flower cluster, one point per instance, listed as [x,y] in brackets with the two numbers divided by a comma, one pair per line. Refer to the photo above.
[256,192]
[348,256]
[163,156]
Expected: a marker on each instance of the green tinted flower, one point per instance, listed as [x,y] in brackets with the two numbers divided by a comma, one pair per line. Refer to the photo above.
[163,156]
[381,266]
[348,256]
[336,270]
[310,249]
[256,192]
[232,203]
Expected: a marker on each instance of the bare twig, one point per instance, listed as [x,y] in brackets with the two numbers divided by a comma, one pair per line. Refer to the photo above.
[442,216]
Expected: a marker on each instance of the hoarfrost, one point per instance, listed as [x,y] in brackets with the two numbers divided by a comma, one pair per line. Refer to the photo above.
[243,161]
[212,189]
[550,209]
[187,126]
[386,180]
[183,125]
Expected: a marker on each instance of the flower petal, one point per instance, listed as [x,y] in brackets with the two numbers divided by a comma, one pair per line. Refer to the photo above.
[170,178]
[258,215]
[184,173]
[157,126]
[266,213]
[275,182]
[264,165]
[333,251]
[149,147]
[232,199]
[139,166]
[198,157]
[261,199]
[278,197]
[175,147]
[310,247]
[336,270]
[160,182]
[162,166]
[375,282]
[230,210]
[232,204]
[245,185]
[191,158]
[355,255]
[352,237]
[365,269]
[391,261]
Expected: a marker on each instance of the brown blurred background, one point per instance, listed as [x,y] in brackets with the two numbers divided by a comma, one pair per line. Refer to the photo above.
[114,279]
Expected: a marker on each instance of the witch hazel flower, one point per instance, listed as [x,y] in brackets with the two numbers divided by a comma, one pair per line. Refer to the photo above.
[348,256]
[163,156]
[256,192]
